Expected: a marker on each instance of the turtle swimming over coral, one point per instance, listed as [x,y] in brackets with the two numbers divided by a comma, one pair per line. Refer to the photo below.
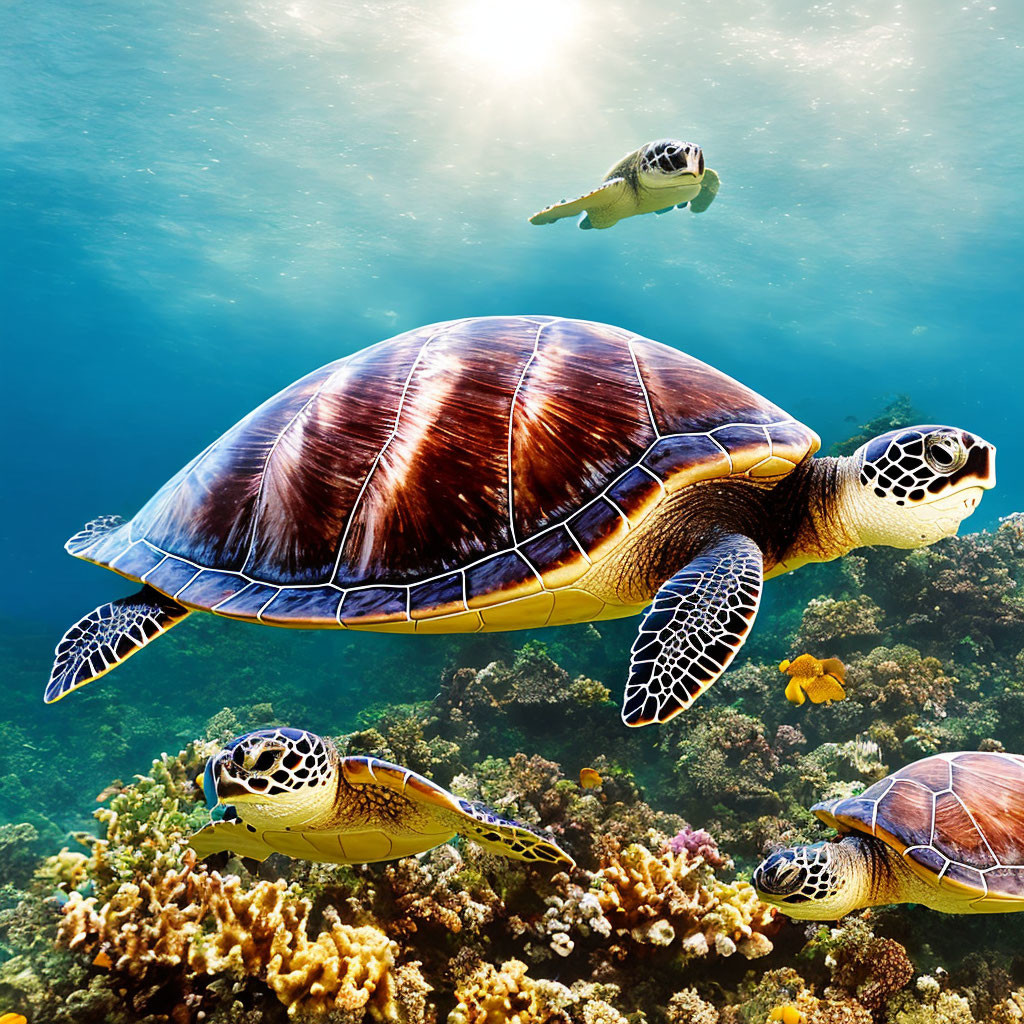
[946,832]
[656,178]
[509,473]
[289,791]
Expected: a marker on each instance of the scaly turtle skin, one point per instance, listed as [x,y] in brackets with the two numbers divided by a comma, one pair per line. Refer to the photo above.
[946,831]
[656,178]
[289,791]
[509,473]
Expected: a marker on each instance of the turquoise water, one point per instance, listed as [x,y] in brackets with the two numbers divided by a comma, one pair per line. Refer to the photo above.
[203,202]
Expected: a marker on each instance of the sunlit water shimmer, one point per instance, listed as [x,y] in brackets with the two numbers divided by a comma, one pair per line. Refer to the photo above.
[201,202]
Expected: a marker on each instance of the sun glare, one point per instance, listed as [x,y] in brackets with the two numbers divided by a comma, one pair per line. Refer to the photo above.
[515,37]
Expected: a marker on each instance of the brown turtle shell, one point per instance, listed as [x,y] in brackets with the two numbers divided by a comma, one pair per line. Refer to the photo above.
[444,469]
[957,819]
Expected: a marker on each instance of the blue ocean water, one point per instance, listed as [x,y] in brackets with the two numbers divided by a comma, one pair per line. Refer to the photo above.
[201,202]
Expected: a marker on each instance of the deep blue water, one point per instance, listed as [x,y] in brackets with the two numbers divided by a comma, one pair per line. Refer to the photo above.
[203,201]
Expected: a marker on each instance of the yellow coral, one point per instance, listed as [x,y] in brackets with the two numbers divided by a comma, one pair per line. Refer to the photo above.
[345,968]
[657,899]
[597,1011]
[67,869]
[1010,1010]
[216,926]
[250,927]
[151,922]
[505,996]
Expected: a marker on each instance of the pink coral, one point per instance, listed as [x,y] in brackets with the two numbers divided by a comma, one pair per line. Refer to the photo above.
[699,843]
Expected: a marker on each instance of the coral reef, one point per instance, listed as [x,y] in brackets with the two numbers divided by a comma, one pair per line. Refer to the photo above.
[656,925]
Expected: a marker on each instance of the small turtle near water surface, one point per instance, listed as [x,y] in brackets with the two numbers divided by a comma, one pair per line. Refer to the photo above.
[946,832]
[656,178]
[289,791]
[509,473]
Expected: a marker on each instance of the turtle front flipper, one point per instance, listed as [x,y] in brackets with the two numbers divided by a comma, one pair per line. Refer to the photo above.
[233,836]
[606,195]
[698,621]
[107,636]
[508,838]
[708,190]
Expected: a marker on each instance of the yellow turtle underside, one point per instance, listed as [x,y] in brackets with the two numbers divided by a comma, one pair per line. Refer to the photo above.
[600,584]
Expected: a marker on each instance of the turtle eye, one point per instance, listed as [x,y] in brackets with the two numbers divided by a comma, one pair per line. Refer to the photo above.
[944,453]
[700,162]
[265,761]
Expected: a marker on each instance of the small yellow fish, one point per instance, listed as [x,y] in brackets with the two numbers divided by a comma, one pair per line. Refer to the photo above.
[788,1014]
[12,1018]
[100,960]
[589,778]
[810,677]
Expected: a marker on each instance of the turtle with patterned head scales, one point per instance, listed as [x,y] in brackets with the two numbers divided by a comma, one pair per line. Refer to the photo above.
[289,791]
[656,178]
[946,832]
[509,473]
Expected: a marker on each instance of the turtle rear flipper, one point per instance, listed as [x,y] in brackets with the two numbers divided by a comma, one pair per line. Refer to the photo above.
[606,195]
[107,636]
[508,838]
[698,621]
[708,190]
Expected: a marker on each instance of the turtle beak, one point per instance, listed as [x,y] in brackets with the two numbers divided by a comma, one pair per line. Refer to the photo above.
[218,786]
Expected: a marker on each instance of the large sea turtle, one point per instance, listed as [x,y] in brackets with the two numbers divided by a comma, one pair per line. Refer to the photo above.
[289,791]
[946,832]
[655,178]
[507,473]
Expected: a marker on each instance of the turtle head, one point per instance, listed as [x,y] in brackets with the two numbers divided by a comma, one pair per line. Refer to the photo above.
[811,883]
[273,773]
[670,162]
[916,485]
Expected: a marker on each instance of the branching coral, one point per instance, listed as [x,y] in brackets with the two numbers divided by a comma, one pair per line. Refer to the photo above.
[831,622]
[687,1007]
[699,843]
[343,968]
[865,966]
[506,995]
[659,900]
[436,891]
[145,924]
[900,679]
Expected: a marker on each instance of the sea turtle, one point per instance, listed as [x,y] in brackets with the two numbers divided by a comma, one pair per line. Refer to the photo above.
[289,791]
[509,473]
[655,178]
[946,831]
